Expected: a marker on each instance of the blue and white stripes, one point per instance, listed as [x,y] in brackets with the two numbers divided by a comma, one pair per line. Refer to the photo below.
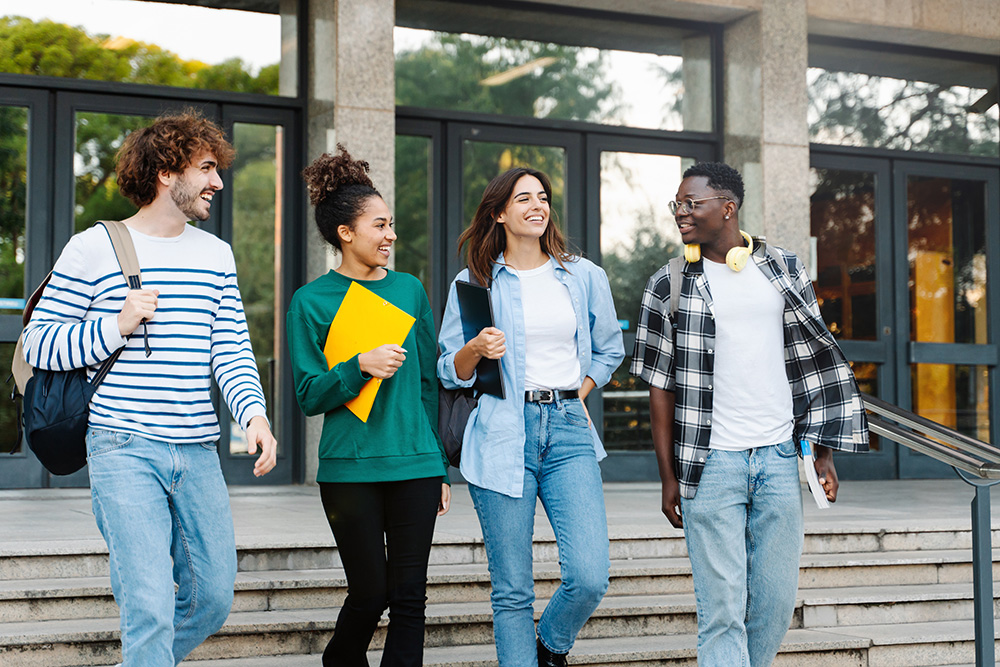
[199,331]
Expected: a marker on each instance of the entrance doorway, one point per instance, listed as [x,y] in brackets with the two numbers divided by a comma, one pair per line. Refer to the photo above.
[904,248]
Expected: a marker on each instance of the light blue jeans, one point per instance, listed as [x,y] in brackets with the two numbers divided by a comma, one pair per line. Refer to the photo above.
[560,468]
[163,510]
[744,536]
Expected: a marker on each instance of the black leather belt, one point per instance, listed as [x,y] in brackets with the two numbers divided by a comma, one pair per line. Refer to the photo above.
[549,395]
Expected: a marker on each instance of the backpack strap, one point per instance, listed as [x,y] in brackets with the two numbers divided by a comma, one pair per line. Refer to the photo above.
[676,277]
[121,241]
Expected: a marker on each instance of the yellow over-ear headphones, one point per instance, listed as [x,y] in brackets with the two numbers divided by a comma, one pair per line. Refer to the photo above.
[736,258]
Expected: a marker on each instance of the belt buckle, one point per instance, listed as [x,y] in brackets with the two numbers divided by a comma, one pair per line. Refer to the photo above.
[546,396]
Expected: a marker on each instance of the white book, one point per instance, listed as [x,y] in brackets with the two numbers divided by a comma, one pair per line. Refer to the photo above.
[809,461]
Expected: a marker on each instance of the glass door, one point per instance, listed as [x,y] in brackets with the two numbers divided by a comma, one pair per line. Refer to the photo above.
[24,126]
[631,234]
[947,225]
[851,225]
[261,189]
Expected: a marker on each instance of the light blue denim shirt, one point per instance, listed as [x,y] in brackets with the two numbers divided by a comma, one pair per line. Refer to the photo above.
[493,446]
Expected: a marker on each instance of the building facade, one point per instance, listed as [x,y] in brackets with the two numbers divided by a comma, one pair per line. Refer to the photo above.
[867,134]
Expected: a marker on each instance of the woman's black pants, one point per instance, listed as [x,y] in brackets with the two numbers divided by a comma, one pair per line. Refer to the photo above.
[383,532]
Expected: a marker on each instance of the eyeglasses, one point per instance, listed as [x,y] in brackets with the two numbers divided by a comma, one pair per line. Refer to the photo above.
[686,207]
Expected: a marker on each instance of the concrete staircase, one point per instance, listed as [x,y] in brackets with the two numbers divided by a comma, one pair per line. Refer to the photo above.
[868,597]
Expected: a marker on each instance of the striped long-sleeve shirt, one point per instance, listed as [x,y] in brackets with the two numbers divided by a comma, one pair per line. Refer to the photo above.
[199,331]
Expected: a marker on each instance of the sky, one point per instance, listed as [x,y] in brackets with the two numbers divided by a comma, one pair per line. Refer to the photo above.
[193,33]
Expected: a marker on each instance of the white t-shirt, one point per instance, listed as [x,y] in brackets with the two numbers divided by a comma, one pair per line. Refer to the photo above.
[752,400]
[550,358]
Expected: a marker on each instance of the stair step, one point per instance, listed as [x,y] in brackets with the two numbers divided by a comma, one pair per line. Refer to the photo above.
[67,598]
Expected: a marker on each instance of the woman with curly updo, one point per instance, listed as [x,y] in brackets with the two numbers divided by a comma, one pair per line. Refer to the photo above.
[382,481]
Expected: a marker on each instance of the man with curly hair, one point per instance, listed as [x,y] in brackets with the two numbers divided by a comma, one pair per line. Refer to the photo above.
[741,370]
[157,488]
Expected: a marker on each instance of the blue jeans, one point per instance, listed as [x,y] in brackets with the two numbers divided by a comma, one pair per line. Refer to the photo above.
[163,510]
[560,468]
[744,536]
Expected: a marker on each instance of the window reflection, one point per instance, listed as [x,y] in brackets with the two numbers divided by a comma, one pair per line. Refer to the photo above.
[956,396]
[500,75]
[255,182]
[413,208]
[98,138]
[902,101]
[842,219]
[946,219]
[638,236]
[13,207]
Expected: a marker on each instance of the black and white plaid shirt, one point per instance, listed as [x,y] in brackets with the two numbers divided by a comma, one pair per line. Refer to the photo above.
[826,401]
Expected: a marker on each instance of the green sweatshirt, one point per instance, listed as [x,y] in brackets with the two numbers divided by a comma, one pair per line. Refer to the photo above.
[399,441]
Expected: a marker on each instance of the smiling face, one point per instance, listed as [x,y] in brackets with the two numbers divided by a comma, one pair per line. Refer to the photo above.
[707,222]
[192,190]
[366,244]
[527,213]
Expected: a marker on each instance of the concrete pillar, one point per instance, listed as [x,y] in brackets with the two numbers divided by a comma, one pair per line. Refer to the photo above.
[352,100]
[766,128]
[697,102]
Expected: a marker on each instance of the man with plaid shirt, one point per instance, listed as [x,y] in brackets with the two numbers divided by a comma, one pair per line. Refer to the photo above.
[741,368]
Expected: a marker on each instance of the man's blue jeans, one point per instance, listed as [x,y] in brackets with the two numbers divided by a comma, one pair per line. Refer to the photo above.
[744,536]
[163,510]
[561,469]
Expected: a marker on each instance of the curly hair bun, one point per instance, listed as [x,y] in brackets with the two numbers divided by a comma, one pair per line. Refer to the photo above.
[328,172]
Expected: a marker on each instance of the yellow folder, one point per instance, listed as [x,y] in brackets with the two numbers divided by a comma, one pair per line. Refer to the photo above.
[363,322]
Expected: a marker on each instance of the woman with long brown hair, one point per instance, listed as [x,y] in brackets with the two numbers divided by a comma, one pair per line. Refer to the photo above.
[558,338]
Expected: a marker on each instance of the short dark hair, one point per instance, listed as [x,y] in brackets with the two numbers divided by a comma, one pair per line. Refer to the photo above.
[721,177]
[339,188]
[169,144]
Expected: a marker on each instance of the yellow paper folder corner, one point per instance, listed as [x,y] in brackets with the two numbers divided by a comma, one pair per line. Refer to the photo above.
[363,322]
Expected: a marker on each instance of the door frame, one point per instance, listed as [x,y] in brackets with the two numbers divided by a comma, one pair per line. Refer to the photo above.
[893,351]
[913,465]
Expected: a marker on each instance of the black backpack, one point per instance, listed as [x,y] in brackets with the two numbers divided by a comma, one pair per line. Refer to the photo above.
[55,406]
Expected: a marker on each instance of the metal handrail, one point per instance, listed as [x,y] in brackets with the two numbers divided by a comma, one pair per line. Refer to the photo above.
[965,455]
[949,436]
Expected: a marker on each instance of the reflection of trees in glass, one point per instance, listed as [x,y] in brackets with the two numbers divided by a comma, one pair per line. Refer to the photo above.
[413,170]
[629,265]
[451,71]
[842,218]
[98,137]
[861,110]
[253,183]
[13,198]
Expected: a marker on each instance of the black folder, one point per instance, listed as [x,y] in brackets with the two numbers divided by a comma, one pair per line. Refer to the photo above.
[476,311]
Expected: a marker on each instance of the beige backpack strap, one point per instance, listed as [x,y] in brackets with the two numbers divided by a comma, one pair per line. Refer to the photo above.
[121,240]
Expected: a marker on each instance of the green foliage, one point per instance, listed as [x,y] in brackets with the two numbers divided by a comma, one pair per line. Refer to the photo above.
[631,264]
[448,73]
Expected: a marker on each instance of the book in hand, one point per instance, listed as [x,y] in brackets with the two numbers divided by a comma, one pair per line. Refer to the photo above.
[809,461]
[476,310]
[363,322]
